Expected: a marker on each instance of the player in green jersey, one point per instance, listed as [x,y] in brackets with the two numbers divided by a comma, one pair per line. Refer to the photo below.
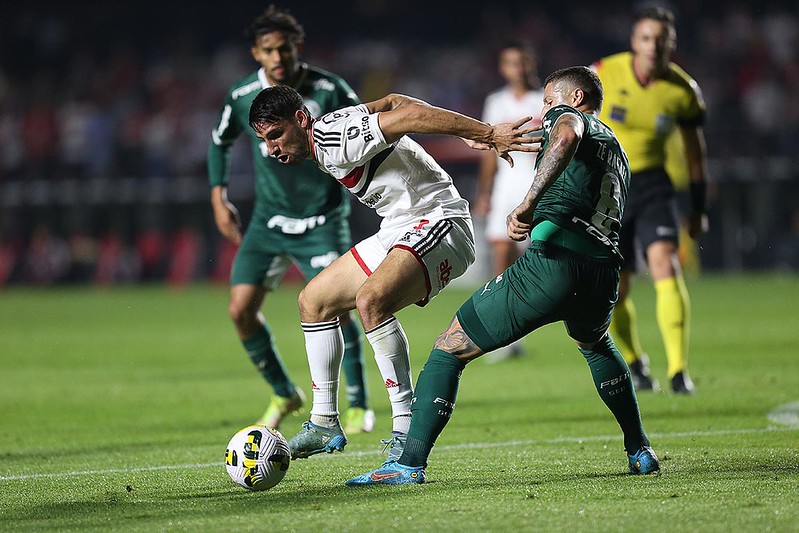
[570,272]
[300,214]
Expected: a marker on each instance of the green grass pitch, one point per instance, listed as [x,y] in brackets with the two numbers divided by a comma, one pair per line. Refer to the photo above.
[116,405]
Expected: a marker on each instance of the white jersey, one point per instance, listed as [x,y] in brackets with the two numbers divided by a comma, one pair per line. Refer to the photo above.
[503,106]
[400,181]
[510,183]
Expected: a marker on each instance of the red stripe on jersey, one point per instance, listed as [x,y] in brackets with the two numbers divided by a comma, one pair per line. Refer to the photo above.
[425,300]
[352,179]
[360,261]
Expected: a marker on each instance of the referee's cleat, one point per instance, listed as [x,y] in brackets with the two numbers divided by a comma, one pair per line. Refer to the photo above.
[642,379]
[681,383]
[391,473]
[644,461]
[313,439]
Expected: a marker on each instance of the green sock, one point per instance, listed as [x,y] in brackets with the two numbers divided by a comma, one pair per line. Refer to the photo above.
[263,354]
[433,403]
[612,381]
[354,373]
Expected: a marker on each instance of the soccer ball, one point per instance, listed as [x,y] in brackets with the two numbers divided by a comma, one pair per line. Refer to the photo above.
[257,457]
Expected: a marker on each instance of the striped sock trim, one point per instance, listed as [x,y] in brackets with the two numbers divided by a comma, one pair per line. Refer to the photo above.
[310,327]
[382,325]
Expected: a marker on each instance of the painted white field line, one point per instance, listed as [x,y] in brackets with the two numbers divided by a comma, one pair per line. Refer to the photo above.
[469,445]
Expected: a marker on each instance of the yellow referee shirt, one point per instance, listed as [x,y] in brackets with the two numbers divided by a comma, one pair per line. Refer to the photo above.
[642,117]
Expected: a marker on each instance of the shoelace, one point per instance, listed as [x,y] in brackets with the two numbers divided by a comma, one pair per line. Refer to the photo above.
[387,444]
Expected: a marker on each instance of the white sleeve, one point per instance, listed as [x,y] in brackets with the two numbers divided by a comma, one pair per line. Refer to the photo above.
[347,138]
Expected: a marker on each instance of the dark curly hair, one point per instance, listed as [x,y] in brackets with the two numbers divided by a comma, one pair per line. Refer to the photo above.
[274,19]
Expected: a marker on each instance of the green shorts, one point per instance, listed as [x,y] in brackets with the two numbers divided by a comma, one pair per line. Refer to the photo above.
[266,253]
[545,285]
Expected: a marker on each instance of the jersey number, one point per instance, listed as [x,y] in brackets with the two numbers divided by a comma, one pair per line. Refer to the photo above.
[608,208]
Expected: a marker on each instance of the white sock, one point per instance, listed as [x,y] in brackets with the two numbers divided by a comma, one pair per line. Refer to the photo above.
[324,344]
[390,345]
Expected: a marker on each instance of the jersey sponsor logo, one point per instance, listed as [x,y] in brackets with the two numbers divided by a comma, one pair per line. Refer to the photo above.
[597,234]
[295,226]
[321,261]
[444,273]
[371,200]
[618,113]
[246,89]
[367,132]
[352,132]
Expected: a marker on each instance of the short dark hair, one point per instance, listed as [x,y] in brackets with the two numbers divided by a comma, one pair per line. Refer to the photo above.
[658,13]
[274,19]
[580,77]
[274,104]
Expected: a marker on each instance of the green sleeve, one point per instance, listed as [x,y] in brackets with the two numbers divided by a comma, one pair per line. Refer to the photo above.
[345,96]
[225,133]
[218,164]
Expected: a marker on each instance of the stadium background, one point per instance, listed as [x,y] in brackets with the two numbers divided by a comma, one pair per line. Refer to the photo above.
[106,110]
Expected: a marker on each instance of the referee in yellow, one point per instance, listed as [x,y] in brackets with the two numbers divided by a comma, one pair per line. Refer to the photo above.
[646,98]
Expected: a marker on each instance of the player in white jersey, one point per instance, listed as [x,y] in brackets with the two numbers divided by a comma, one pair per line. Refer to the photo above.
[425,238]
[501,186]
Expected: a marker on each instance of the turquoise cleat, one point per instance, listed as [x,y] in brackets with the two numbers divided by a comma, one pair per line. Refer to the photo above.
[391,473]
[313,439]
[644,461]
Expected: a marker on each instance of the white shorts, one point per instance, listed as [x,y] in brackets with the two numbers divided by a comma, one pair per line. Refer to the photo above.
[505,196]
[444,249]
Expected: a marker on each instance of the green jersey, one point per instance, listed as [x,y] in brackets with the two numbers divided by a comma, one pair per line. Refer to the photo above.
[295,192]
[588,197]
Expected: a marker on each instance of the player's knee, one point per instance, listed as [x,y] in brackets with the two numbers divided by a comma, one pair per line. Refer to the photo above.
[313,307]
[370,305]
[242,315]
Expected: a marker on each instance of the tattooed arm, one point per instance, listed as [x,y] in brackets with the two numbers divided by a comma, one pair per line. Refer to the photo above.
[564,138]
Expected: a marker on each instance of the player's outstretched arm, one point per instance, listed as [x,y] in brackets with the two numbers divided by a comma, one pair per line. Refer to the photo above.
[402,115]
